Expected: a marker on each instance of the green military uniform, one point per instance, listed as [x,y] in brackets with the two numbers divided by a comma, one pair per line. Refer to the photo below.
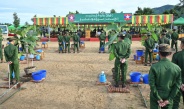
[174,37]
[149,44]
[1,52]
[102,38]
[67,43]
[163,40]
[121,51]
[129,37]
[168,36]
[11,54]
[60,42]
[164,80]
[178,59]
[76,39]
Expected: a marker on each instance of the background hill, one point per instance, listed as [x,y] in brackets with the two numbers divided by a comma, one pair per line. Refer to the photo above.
[160,10]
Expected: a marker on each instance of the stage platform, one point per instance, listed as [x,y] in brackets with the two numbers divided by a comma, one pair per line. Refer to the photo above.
[83,39]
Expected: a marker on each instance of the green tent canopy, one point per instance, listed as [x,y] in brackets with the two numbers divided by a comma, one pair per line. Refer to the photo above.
[179,21]
[12,27]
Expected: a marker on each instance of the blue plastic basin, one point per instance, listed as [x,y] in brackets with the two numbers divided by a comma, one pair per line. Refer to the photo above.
[38,57]
[102,49]
[39,50]
[43,73]
[22,57]
[135,76]
[81,42]
[37,76]
[140,53]
[145,78]
[44,43]
[155,50]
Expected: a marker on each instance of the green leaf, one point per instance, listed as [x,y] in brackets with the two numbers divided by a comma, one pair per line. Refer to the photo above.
[154,36]
[111,40]
[111,56]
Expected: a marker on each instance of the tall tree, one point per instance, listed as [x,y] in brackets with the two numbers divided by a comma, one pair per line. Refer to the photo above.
[144,11]
[166,12]
[26,23]
[16,21]
[33,17]
[139,11]
[54,15]
[76,12]
[112,11]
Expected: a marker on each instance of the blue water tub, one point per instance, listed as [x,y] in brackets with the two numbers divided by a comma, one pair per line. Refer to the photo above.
[38,57]
[145,78]
[102,49]
[37,76]
[22,58]
[43,73]
[44,43]
[140,53]
[135,76]
[155,50]
[39,50]
[81,42]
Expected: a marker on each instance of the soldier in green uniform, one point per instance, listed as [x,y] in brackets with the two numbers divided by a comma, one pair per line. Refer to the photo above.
[164,80]
[129,36]
[76,40]
[60,42]
[149,44]
[67,42]
[122,52]
[174,37]
[178,59]
[11,56]
[163,39]
[102,38]
[168,36]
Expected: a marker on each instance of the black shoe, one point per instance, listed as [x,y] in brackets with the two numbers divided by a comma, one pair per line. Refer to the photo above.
[123,85]
[116,84]
[11,83]
[145,64]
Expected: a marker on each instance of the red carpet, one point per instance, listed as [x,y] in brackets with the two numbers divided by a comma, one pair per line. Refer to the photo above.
[83,39]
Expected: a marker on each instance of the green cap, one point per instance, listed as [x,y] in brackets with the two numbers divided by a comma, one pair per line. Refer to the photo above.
[164,48]
[149,34]
[11,39]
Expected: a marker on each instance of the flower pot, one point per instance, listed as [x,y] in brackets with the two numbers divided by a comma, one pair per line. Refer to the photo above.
[29,70]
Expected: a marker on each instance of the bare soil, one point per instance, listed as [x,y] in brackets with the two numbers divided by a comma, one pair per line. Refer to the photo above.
[70,82]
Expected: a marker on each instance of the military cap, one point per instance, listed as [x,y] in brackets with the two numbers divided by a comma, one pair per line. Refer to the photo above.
[164,48]
[149,34]
[11,39]
[163,33]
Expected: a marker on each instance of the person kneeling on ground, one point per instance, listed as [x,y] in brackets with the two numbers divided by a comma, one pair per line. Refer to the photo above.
[164,80]
[11,56]
[122,52]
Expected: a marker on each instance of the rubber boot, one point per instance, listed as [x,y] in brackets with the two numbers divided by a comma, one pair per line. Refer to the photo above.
[11,82]
[123,85]
[116,84]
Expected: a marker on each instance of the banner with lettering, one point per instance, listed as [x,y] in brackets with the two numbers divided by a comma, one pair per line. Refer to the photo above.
[100,18]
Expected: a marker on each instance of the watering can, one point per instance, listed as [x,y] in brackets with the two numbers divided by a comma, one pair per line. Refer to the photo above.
[102,77]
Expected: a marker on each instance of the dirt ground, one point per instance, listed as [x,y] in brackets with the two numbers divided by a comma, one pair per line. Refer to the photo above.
[70,82]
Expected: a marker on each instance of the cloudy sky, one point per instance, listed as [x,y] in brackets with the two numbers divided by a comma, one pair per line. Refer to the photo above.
[26,9]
